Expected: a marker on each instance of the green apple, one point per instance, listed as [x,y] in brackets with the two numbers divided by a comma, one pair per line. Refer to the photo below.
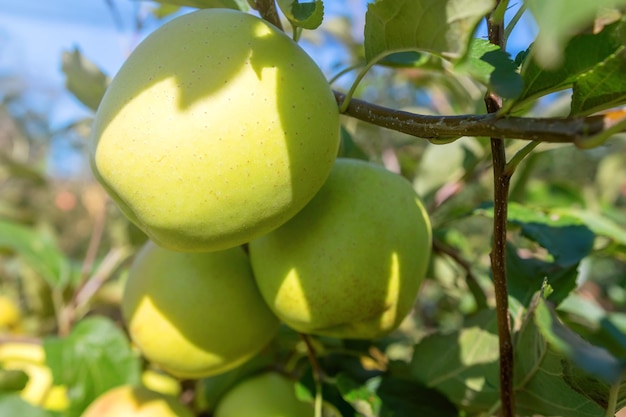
[217,129]
[195,314]
[129,401]
[350,264]
[264,395]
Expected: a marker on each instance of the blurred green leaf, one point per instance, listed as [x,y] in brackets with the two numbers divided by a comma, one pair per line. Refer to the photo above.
[306,15]
[488,64]
[594,360]
[595,324]
[84,79]
[599,224]
[582,54]
[208,4]
[601,88]
[348,148]
[441,27]
[592,388]
[39,252]
[95,357]
[14,406]
[406,59]
[558,21]
[402,397]
[23,170]
[540,385]
[564,236]
[525,275]
[462,365]
[363,397]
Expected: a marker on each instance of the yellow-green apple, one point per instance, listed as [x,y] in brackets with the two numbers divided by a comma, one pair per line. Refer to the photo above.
[195,314]
[264,395]
[130,401]
[350,264]
[217,129]
[39,390]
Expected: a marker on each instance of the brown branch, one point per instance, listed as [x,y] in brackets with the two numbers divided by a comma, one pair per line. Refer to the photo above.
[555,130]
[501,182]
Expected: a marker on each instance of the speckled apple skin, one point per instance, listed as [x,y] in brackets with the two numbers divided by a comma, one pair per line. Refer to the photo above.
[350,264]
[217,129]
[195,314]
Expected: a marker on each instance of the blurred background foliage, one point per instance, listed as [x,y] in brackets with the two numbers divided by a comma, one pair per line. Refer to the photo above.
[65,247]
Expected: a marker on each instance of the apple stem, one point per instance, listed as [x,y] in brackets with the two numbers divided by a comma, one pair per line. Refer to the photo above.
[318,374]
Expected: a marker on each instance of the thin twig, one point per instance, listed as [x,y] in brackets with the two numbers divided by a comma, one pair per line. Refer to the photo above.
[470,278]
[554,130]
[318,373]
[501,181]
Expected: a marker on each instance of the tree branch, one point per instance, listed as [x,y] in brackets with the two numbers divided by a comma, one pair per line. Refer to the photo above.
[555,130]
[501,183]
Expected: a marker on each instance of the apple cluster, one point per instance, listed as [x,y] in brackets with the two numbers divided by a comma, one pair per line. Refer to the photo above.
[218,138]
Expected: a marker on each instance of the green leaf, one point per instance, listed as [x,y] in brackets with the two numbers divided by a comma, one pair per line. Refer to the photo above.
[525,275]
[209,4]
[406,59]
[462,365]
[441,27]
[597,223]
[363,397]
[402,397]
[12,405]
[595,324]
[491,66]
[592,388]
[348,148]
[95,357]
[84,79]
[540,384]
[595,361]
[558,21]
[601,88]
[306,15]
[582,54]
[566,237]
[38,251]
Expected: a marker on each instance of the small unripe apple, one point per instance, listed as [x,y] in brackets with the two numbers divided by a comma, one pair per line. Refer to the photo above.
[195,314]
[217,129]
[350,264]
[129,401]
[265,395]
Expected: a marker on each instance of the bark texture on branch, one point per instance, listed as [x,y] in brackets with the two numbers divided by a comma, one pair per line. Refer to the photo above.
[555,130]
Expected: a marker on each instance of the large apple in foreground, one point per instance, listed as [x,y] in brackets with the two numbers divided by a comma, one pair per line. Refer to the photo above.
[129,401]
[195,314]
[217,129]
[350,264]
[264,395]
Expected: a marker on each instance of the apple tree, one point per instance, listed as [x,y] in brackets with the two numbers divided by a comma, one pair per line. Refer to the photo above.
[412,217]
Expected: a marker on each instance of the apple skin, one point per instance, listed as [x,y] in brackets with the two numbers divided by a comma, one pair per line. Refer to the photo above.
[264,395]
[217,129]
[195,314]
[350,264]
[129,401]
